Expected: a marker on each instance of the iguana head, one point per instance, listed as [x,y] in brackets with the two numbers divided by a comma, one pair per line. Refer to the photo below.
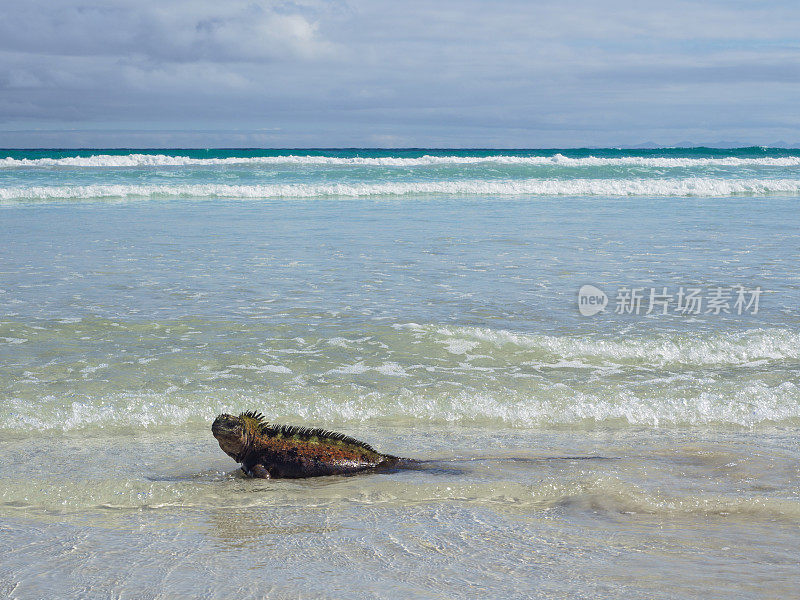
[235,434]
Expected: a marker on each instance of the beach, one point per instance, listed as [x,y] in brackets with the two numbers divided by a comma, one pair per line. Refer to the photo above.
[424,301]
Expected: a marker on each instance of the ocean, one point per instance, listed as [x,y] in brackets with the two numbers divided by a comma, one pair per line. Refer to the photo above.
[595,352]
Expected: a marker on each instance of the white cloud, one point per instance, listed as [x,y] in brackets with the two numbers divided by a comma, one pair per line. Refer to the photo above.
[464,72]
[232,30]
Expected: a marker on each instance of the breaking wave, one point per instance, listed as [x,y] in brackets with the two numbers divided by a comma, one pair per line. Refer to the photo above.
[406,374]
[563,406]
[661,350]
[166,160]
[693,186]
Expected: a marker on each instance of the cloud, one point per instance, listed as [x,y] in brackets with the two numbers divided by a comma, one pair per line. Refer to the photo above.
[162,31]
[443,73]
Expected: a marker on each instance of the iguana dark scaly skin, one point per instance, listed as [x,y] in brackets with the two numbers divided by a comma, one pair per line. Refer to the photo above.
[265,450]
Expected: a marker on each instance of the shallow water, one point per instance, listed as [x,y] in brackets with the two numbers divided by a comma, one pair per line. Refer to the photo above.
[617,455]
[507,513]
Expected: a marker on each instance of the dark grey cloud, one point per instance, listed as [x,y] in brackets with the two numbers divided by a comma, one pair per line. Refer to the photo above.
[370,72]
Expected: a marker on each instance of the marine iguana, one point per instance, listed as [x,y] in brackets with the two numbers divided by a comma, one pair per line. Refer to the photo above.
[266,450]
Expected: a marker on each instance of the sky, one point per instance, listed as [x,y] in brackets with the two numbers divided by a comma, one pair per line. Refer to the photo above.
[374,73]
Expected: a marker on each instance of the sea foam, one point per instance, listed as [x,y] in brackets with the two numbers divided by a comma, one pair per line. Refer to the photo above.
[417,374]
[692,186]
[166,160]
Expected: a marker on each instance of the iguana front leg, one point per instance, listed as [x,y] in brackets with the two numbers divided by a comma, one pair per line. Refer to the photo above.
[258,471]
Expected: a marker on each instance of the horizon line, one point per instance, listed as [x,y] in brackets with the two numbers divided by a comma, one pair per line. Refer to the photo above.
[643,146]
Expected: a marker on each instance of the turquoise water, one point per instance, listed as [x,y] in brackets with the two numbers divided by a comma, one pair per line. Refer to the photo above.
[427,302]
[31,176]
